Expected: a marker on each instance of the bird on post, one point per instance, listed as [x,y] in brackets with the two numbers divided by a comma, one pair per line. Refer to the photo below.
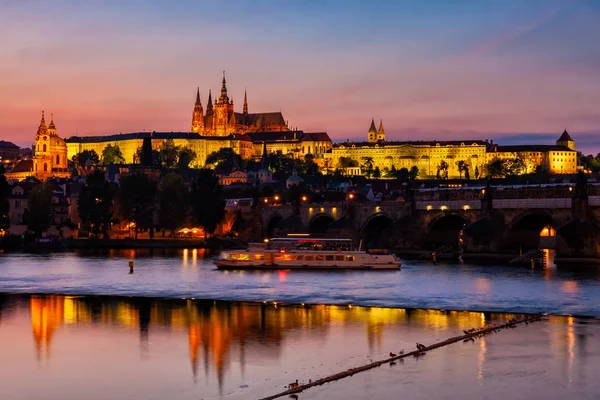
[420,346]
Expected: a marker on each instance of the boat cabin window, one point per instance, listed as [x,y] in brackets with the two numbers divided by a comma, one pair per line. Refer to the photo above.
[319,258]
[239,256]
[349,258]
[339,258]
[300,257]
[284,257]
[310,258]
[329,258]
[259,256]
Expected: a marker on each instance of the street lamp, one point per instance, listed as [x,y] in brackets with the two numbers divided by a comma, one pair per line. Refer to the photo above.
[304,198]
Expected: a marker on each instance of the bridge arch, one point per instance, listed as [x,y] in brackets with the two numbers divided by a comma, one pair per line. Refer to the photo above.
[319,223]
[375,231]
[444,230]
[524,231]
[272,224]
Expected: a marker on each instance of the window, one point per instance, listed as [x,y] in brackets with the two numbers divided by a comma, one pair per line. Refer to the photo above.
[329,257]
[300,257]
[349,258]
[45,165]
[58,159]
[309,258]
[339,258]
[259,256]
[319,258]
[44,149]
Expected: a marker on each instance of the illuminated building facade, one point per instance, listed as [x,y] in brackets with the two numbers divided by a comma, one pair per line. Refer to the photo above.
[428,155]
[49,158]
[221,119]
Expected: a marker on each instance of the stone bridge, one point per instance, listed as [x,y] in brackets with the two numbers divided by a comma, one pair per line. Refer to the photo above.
[492,219]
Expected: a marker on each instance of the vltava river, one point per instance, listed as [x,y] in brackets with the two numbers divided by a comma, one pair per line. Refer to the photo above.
[191,274]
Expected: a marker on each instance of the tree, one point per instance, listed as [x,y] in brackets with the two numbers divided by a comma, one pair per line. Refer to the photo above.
[168,153]
[310,167]
[186,156]
[346,162]
[476,172]
[403,174]
[95,203]
[86,156]
[137,157]
[442,170]
[225,159]
[467,173]
[413,173]
[39,208]
[495,168]
[462,167]
[136,200]
[173,202]
[4,204]
[515,166]
[112,155]
[367,166]
[208,203]
[393,172]
[377,173]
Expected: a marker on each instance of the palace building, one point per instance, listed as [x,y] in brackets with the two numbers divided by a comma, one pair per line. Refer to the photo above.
[560,158]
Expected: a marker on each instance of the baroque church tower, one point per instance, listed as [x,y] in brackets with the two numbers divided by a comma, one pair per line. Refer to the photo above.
[50,156]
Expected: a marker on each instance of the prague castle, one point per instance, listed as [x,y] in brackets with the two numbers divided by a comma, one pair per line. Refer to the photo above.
[249,133]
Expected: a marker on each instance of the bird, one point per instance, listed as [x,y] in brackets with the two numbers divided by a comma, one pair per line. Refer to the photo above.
[466,332]
[392,354]
[420,346]
[293,385]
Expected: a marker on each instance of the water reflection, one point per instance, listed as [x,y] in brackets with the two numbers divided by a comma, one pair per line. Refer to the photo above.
[223,340]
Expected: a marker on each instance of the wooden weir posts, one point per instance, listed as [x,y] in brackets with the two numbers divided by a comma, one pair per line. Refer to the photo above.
[468,335]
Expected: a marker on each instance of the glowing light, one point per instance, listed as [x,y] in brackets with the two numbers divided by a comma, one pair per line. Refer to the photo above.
[322,209]
[443,208]
[466,207]
[310,210]
[351,196]
[266,240]
[429,208]
[266,201]
[276,198]
[304,198]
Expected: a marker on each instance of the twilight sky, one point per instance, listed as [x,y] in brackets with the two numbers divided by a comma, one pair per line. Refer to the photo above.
[430,69]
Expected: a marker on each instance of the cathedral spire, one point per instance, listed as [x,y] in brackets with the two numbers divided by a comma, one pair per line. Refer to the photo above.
[245,103]
[223,98]
[198,115]
[209,106]
[380,132]
[372,131]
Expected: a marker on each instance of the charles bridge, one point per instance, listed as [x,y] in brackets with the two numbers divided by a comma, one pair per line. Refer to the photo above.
[491,219]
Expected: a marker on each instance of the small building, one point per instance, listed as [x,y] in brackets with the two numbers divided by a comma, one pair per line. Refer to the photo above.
[235,176]
[293,180]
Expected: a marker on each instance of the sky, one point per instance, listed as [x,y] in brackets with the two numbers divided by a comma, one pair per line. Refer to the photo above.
[509,70]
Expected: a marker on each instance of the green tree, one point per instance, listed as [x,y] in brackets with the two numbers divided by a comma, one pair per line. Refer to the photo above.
[413,173]
[208,203]
[39,209]
[4,204]
[442,170]
[377,173]
[136,200]
[112,155]
[168,153]
[95,203]
[86,156]
[137,157]
[173,202]
[225,159]
[310,167]
[367,166]
[186,156]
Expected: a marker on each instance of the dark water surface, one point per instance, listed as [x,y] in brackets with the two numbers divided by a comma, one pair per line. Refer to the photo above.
[82,347]
[189,274]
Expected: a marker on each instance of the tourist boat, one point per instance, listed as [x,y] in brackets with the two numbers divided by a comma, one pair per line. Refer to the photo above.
[307,253]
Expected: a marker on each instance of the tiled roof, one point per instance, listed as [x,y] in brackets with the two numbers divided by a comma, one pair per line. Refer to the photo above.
[432,143]
[154,135]
[529,148]
[565,137]
[22,166]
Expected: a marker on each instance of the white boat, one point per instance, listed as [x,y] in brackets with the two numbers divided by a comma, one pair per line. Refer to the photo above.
[308,254]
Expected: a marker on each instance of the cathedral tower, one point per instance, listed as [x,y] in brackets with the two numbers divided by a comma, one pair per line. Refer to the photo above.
[198,116]
[372,132]
[380,132]
[245,111]
[223,113]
